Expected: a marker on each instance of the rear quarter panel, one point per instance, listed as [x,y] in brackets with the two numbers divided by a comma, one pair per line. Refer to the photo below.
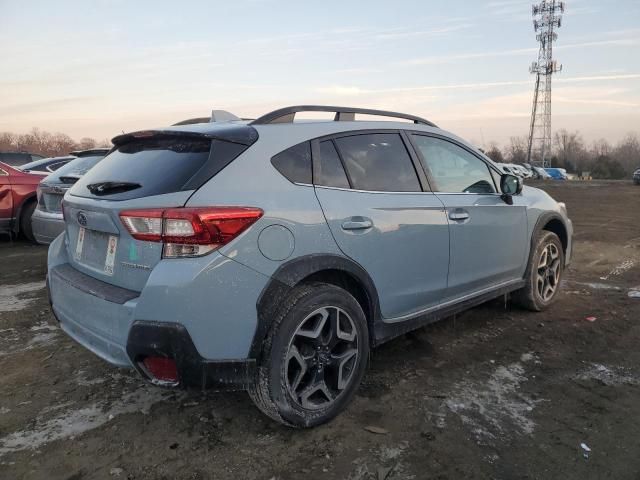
[293,224]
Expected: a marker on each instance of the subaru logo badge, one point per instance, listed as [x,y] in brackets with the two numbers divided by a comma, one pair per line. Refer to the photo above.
[82,219]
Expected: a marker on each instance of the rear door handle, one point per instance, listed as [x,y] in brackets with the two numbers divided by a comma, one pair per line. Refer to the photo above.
[458,215]
[357,223]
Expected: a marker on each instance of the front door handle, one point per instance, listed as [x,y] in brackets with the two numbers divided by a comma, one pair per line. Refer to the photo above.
[458,215]
[357,223]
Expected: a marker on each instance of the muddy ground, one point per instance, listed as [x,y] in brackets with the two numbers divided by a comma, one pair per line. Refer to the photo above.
[494,393]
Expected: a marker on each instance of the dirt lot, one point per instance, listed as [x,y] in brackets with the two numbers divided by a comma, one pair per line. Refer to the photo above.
[494,393]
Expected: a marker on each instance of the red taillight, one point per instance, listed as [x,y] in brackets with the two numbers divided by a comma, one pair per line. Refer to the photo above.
[189,231]
[162,369]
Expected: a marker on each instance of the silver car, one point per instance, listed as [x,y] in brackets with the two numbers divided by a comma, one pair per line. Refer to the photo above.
[272,255]
[47,221]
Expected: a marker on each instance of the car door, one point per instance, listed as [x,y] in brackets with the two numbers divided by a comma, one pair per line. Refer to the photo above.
[6,200]
[488,237]
[381,214]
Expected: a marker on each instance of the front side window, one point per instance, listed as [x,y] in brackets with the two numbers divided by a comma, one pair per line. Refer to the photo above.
[378,162]
[453,168]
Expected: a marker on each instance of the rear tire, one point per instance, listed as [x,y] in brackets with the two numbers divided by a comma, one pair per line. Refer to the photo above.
[25,221]
[544,274]
[313,358]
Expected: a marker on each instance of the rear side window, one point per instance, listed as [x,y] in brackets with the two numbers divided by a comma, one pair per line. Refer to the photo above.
[331,172]
[159,165]
[295,163]
[378,162]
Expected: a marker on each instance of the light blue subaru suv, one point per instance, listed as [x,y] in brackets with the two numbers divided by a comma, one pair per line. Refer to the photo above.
[272,255]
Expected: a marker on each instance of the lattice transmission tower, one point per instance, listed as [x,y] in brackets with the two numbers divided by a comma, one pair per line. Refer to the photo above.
[547,16]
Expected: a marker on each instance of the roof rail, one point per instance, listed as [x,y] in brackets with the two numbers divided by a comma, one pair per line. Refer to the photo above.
[345,114]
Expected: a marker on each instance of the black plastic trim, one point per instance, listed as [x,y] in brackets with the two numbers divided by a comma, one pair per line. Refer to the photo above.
[287,114]
[172,340]
[388,331]
[289,274]
[93,286]
[539,226]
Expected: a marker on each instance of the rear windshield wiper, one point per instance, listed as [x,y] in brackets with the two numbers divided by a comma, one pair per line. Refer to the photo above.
[69,179]
[107,188]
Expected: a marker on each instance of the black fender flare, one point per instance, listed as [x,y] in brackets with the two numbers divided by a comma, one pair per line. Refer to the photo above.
[16,225]
[542,221]
[291,273]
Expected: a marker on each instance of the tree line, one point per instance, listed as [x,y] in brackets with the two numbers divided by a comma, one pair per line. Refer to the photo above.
[46,143]
[601,159]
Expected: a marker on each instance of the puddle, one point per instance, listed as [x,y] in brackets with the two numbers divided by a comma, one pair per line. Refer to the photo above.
[620,269]
[610,376]
[9,301]
[495,407]
[75,422]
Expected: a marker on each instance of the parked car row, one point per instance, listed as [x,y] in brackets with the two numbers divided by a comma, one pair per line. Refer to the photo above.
[526,170]
[17,199]
[30,194]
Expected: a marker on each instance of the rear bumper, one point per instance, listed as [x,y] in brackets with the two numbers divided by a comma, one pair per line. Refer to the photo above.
[187,313]
[89,317]
[173,341]
[46,226]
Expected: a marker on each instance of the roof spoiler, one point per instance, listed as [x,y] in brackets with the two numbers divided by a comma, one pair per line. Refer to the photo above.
[216,116]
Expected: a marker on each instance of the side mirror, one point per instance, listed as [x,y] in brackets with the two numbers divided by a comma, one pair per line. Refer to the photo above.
[510,185]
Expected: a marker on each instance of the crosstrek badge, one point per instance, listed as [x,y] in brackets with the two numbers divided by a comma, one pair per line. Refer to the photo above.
[111,255]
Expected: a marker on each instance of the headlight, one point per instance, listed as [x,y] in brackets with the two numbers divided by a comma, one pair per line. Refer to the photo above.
[563,206]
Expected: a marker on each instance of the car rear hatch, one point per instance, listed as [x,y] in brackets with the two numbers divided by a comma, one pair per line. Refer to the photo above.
[146,173]
[52,189]
[50,198]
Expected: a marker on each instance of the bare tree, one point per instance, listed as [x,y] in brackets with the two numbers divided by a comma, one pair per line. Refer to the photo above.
[516,151]
[601,148]
[45,143]
[86,143]
[627,152]
[494,153]
[570,150]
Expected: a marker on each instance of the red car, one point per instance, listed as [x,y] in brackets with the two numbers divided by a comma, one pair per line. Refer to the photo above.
[17,199]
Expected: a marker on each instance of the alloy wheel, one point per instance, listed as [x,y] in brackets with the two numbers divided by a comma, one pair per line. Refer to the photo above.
[321,357]
[548,273]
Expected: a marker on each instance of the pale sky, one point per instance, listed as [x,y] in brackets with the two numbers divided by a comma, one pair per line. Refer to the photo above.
[96,68]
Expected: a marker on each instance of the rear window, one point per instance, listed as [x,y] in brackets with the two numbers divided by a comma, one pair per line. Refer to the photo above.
[76,168]
[159,165]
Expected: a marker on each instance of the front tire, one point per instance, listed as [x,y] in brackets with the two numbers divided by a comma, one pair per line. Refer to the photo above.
[313,358]
[544,273]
